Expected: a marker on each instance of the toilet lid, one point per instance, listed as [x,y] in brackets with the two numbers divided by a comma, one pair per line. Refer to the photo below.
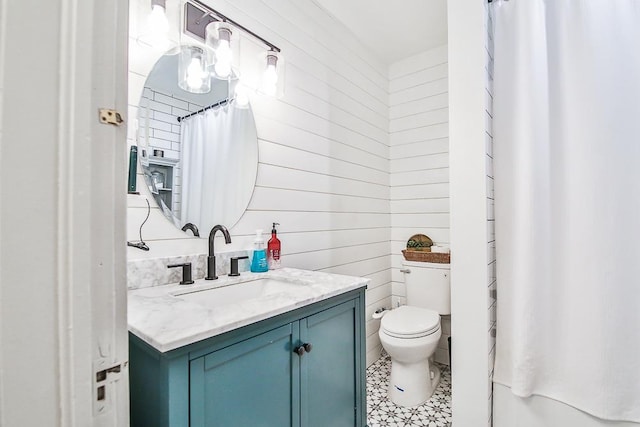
[410,322]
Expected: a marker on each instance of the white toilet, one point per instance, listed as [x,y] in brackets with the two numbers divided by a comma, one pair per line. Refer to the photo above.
[410,333]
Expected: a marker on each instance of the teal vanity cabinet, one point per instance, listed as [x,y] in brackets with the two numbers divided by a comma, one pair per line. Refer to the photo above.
[304,368]
[329,379]
[250,383]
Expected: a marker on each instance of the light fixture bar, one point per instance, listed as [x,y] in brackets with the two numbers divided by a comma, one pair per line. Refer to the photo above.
[206,15]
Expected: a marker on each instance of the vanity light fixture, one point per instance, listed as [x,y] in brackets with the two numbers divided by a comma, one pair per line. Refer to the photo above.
[271,82]
[158,22]
[193,75]
[156,31]
[219,34]
[218,38]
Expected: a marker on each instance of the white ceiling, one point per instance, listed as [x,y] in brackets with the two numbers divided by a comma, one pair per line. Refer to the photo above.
[393,30]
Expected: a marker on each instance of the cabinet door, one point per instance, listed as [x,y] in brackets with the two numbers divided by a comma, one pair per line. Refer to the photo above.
[330,372]
[251,383]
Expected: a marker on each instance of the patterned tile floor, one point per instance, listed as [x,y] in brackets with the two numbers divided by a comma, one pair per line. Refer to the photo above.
[381,412]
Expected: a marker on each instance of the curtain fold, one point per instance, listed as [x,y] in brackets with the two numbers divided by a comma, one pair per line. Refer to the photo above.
[567,187]
[217,165]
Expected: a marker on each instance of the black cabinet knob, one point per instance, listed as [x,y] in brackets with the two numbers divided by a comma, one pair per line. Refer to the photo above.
[302,349]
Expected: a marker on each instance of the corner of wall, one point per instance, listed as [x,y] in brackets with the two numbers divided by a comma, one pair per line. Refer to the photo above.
[491,228]
[472,239]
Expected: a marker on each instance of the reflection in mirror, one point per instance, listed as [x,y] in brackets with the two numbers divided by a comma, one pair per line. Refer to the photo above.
[198,152]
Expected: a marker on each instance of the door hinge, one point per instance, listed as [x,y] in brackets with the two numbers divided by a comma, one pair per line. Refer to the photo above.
[110,117]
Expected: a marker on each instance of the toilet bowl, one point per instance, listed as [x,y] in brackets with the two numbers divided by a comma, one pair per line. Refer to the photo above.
[410,335]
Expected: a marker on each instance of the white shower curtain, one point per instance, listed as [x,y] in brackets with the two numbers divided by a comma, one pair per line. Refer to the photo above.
[213,166]
[567,190]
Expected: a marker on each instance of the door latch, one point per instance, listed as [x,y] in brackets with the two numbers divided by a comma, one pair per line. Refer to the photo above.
[110,117]
[106,375]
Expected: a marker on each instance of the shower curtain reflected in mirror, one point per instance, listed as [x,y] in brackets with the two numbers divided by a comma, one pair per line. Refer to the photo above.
[567,189]
[214,163]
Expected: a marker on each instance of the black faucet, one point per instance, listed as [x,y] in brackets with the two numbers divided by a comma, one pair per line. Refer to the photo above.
[211,259]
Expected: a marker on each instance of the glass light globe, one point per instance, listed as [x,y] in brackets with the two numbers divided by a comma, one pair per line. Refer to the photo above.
[222,44]
[156,31]
[193,75]
[270,76]
[158,22]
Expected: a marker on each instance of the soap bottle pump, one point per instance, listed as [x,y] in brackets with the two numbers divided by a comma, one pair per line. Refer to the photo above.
[273,249]
[259,260]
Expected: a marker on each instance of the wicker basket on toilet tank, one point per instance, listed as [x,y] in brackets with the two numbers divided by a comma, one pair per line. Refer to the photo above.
[419,249]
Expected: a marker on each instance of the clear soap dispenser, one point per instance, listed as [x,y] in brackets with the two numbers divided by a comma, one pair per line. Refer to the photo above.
[259,260]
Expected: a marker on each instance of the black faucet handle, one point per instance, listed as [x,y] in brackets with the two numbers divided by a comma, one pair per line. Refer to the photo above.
[186,272]
[234,265]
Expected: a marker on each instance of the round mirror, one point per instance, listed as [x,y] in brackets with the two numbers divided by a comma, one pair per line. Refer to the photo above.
[198,151]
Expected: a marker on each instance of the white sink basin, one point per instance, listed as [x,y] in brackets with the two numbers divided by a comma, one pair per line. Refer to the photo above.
[237,293]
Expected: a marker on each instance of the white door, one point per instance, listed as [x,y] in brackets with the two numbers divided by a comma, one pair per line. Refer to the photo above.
[63,326]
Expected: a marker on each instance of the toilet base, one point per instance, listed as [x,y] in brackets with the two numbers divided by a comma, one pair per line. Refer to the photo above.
[411,384]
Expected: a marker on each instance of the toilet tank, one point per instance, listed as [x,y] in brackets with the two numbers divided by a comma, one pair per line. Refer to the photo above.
[428,285]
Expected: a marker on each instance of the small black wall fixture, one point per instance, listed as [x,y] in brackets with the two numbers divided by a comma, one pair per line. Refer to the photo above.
[133,164]
[141,244]
[192,227]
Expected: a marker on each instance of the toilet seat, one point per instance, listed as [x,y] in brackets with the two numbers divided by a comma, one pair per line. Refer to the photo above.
[410,322]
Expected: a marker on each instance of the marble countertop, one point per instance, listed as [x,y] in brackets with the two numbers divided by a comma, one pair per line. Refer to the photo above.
[167,322]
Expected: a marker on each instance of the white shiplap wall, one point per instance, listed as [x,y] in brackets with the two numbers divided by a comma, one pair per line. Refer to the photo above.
[419,161]
[491,229]
[323,169]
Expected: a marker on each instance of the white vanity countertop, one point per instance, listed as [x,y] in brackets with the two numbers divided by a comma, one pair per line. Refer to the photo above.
[167,322]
